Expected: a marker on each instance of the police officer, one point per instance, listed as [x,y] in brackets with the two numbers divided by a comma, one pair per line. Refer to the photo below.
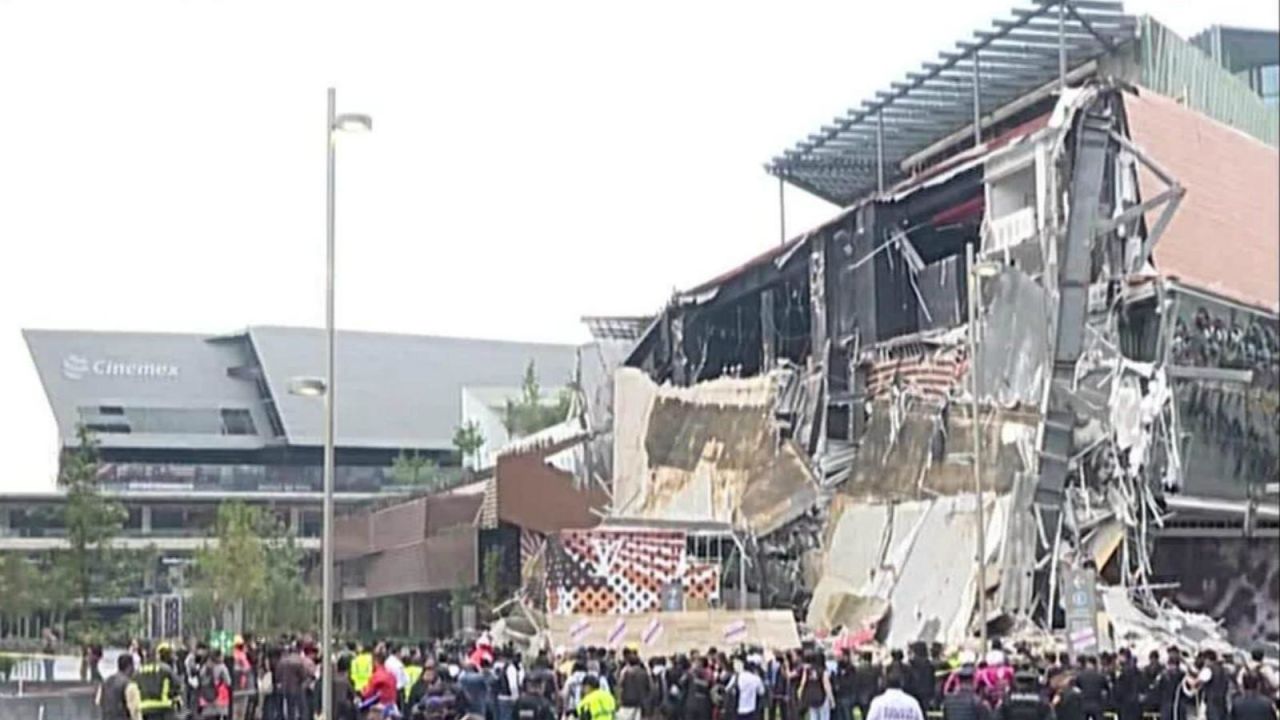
[964,703]
[158,684]
[596,704]
[1025,702]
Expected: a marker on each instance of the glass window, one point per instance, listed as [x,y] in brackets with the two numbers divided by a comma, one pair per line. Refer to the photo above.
[311,524]
[167,518]
[237,421]
[1270,75]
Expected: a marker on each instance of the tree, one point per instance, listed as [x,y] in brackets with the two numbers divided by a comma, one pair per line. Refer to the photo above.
[412,468]
[530,413]
[491,577]
[253,573]
[18,587]
[286,603]
[231,572]
[88,566]
[468,439]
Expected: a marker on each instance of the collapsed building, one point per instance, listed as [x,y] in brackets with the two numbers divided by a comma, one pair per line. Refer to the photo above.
[1039,341]
[1030,364]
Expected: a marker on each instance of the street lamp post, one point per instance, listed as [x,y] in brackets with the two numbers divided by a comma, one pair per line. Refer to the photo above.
[334,124]
[976,272]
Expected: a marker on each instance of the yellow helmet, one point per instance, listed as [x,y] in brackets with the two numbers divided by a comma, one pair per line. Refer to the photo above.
[164,647]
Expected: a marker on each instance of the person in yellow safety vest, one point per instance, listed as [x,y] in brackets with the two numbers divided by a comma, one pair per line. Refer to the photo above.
[596,704]
[158,684]
[413,669]
[361,668]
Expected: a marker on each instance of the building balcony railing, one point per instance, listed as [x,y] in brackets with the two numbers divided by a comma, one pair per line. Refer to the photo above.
[244,478]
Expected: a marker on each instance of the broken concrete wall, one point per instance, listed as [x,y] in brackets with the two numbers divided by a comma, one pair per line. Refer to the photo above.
[913,448]
[711,452]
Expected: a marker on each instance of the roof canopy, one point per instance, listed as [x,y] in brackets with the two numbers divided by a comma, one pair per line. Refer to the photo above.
[843,161]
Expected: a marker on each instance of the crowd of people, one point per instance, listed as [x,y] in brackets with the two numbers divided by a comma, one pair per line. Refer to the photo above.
[280,680]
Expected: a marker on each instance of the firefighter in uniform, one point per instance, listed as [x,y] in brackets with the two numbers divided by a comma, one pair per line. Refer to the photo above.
[159,685]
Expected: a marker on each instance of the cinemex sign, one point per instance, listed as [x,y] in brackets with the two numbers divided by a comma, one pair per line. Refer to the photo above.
[77,367]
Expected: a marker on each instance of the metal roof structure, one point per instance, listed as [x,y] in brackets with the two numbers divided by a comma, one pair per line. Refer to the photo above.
[606,327]
[867,146]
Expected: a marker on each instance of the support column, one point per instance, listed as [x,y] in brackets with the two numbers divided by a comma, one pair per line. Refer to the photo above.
[1062,46]
[768,332]
[5,522]
[782,211]
[295,521]
[880,150]
[146,519]
[977,101]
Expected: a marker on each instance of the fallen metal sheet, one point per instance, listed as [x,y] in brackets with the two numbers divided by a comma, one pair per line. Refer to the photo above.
[856,545]
[942,291]
[709,452]
[1014,351]
[668,633]
[910,563]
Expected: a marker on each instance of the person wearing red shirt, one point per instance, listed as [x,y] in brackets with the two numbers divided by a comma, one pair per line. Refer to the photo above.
[382,684]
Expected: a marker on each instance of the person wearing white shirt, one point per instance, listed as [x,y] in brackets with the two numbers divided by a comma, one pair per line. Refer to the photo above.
[395,666]
[750,689]
[893,703]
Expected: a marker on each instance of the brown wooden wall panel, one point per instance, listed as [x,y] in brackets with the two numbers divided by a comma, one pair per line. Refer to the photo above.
[441,562]
[399,524]
[351,536]
[537,496]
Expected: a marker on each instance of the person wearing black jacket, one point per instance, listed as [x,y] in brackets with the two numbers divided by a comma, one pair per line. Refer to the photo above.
[696,692]
[657,685]
[1250,704]
[844,688]
[1216,688]
[1168,689]
[1025,702]
[344,696]
[1150,678]
[895,666]
[673,702]
[964,703]
[543,679]
[941,670]
[866,683]
[1094,688]
[633,687]
[778,681]
[1067,703]
[532,704]
[920,682]
[1126,689]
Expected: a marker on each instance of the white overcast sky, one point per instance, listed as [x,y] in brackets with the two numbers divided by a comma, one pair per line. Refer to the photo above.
[162,168]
